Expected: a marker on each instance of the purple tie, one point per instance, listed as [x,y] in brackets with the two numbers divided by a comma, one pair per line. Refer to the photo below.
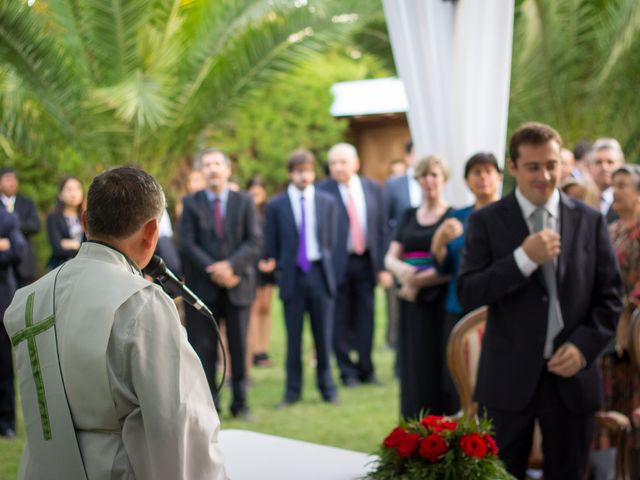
[302,260]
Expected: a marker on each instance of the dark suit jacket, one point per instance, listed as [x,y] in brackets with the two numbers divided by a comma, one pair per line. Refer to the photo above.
[240,246]
[57,229]
[27,214]
[282,240]
[375,226]
[589,289]
[396,201]
[9,229]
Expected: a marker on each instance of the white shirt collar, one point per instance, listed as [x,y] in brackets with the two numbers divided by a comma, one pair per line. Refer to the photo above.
[552,206]
[295,192]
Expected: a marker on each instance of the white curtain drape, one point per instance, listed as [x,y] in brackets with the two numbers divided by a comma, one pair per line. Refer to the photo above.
[455,61]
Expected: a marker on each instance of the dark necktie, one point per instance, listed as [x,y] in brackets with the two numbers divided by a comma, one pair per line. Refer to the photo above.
[554,319]
[302,260]
[217,217]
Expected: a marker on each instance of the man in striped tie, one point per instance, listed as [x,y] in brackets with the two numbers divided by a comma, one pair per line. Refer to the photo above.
[359,262]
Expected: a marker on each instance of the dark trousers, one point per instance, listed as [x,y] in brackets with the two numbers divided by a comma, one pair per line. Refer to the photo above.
[7,393]
[203,337]
[311,297]
[566,436]
[353,329]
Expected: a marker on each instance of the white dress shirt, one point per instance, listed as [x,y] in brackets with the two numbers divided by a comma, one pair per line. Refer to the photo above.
[415,192]
[552,221]
[356,190]
[606,199]
[311,232]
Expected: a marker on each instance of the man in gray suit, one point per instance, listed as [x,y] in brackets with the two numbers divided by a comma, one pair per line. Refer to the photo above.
[400,193]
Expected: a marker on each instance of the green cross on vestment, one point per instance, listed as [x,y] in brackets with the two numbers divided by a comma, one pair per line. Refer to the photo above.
[29,334]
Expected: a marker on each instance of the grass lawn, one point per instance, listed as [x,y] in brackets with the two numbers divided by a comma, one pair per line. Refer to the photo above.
[360,422]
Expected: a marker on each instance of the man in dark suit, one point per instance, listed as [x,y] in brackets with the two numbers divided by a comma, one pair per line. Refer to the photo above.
[605,158]
[220,242]
[300,233]
[13,247]
[24,208]
[358,259]
[545,266]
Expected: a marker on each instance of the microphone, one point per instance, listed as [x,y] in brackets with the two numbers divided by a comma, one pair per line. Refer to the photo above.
[159,271]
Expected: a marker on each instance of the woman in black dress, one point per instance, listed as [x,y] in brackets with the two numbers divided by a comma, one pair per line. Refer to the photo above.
[422,294]
[260,321]
[63,223]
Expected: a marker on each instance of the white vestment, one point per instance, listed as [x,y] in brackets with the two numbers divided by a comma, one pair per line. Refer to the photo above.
[117,391]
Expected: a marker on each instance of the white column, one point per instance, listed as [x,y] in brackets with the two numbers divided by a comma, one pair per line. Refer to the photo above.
[455,61]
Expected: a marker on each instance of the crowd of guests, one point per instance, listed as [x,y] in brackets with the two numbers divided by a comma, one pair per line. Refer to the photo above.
[327,244]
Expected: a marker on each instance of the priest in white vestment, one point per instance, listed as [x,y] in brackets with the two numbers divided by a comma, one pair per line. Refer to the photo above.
[110,387]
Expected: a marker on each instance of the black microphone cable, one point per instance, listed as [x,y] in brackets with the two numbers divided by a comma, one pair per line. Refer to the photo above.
[175,288]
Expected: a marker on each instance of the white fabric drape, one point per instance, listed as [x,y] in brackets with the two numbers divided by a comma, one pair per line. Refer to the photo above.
[455,61]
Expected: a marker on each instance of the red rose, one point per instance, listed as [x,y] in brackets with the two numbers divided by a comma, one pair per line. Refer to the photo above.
[433,447]
[395,437]
[473,445]
[438,424]
[408,445]
[491,445]
[431,421]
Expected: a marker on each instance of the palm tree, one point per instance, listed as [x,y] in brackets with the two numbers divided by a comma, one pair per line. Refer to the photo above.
[103,82]
[576,65]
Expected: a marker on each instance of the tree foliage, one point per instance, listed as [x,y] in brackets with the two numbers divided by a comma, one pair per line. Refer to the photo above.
[291,112]
[106,82]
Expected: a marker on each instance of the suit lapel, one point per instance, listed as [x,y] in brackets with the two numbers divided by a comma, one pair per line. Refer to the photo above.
[206,210]
[289,216]
[569,219]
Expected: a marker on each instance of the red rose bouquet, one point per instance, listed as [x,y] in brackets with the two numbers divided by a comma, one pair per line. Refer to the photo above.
[438,448]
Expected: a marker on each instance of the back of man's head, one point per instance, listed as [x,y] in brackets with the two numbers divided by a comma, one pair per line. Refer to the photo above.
[122,200]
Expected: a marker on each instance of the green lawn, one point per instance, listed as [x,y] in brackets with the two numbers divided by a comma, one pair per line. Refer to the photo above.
[360,422]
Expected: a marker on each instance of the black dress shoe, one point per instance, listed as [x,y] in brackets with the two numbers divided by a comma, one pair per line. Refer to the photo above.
[372,380]
[332,400]
[350,382]
[7,432]
[243,414]
[285,404]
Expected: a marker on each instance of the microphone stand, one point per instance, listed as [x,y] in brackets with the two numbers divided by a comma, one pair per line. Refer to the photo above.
[175,288]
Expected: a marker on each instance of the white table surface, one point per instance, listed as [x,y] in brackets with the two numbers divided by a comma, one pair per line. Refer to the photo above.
[257,456]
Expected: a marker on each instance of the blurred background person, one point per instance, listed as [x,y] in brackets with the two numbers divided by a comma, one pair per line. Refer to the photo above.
[24,208]
[64,225]
[397,168]
[568,164]
[483,177]
[621,379]
[259,330]
[399,194]
[581,152]
[584,190]
[13,246]
[422,293]
[359,262]
[605,157]
[195,183]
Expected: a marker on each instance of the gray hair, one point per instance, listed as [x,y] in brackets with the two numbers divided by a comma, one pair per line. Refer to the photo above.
[632,170]
[607,143]
[347,148]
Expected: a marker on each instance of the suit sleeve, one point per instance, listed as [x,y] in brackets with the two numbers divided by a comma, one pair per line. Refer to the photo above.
[248,251]
[29,220]
[484,279]
[18,243]
[188,246]
[56,234]
[606,300]
[381,231]
[271,243]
